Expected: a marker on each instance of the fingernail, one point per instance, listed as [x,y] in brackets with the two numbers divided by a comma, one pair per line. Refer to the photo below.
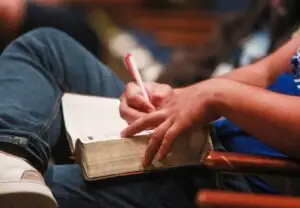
[160,156]
[123,133]
[144,163]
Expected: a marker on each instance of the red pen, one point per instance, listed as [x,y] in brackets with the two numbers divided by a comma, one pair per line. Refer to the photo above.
[135,73]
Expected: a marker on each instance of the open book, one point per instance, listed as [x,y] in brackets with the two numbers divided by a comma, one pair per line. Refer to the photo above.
[93,125]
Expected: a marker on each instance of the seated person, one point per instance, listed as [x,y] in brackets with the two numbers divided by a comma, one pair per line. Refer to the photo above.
[37,68]
[20,16]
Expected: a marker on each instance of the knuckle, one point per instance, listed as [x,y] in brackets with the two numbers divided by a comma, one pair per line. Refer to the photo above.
[144,120]
[166,87]
[184,119]
[123,116]
[158,98]
[170,136]
[165,113]
[170,133]
[130,85]
[122,103]
[156,136]
[122,97]
[129,88]
[131,98]
[122,109]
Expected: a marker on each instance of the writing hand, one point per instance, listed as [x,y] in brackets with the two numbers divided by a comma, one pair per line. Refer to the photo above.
[187,107]
[134,105]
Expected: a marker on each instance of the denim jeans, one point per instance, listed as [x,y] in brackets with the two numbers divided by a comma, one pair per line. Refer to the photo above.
[35,70]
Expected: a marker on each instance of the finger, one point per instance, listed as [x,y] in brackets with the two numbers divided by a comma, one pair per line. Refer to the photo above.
[151,120]
[168,140]
[130,115]
[135,99]
[161,95]
[158,93]
[155,142]
[140,103]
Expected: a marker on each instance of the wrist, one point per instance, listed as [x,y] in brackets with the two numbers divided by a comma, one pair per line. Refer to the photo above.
[215,92]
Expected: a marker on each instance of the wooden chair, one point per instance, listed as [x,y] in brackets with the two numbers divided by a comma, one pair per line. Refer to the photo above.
[239,163]
[172,28]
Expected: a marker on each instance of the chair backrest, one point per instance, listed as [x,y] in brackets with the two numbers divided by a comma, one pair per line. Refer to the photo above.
[280,174]
[239,163]
[218,199]
[234,162]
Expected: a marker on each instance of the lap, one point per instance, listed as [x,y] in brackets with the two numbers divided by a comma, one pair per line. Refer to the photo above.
[174,188]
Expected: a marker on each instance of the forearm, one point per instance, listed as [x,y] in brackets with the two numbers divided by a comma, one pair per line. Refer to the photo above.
[256,74]
[263,73]
[273,118]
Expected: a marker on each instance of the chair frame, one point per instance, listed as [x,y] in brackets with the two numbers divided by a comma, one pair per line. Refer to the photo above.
[247,164]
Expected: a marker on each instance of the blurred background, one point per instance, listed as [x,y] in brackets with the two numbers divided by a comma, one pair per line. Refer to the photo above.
[178,42]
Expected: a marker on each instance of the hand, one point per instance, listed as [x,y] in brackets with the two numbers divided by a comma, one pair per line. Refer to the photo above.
[134,105]
[187,107]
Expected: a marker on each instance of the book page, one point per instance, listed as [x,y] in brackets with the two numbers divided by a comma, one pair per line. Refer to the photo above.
[91,118]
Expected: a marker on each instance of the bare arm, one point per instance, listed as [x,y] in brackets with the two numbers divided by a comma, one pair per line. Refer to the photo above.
[240,97]
[274,118]
[263,73]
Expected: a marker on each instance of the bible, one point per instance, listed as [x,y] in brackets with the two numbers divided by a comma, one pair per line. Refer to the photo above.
[93,125]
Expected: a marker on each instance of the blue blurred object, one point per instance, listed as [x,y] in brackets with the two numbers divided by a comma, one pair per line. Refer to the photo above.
[256,46]
[295,64]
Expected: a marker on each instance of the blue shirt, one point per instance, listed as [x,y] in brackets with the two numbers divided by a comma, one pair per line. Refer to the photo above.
[235,139]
